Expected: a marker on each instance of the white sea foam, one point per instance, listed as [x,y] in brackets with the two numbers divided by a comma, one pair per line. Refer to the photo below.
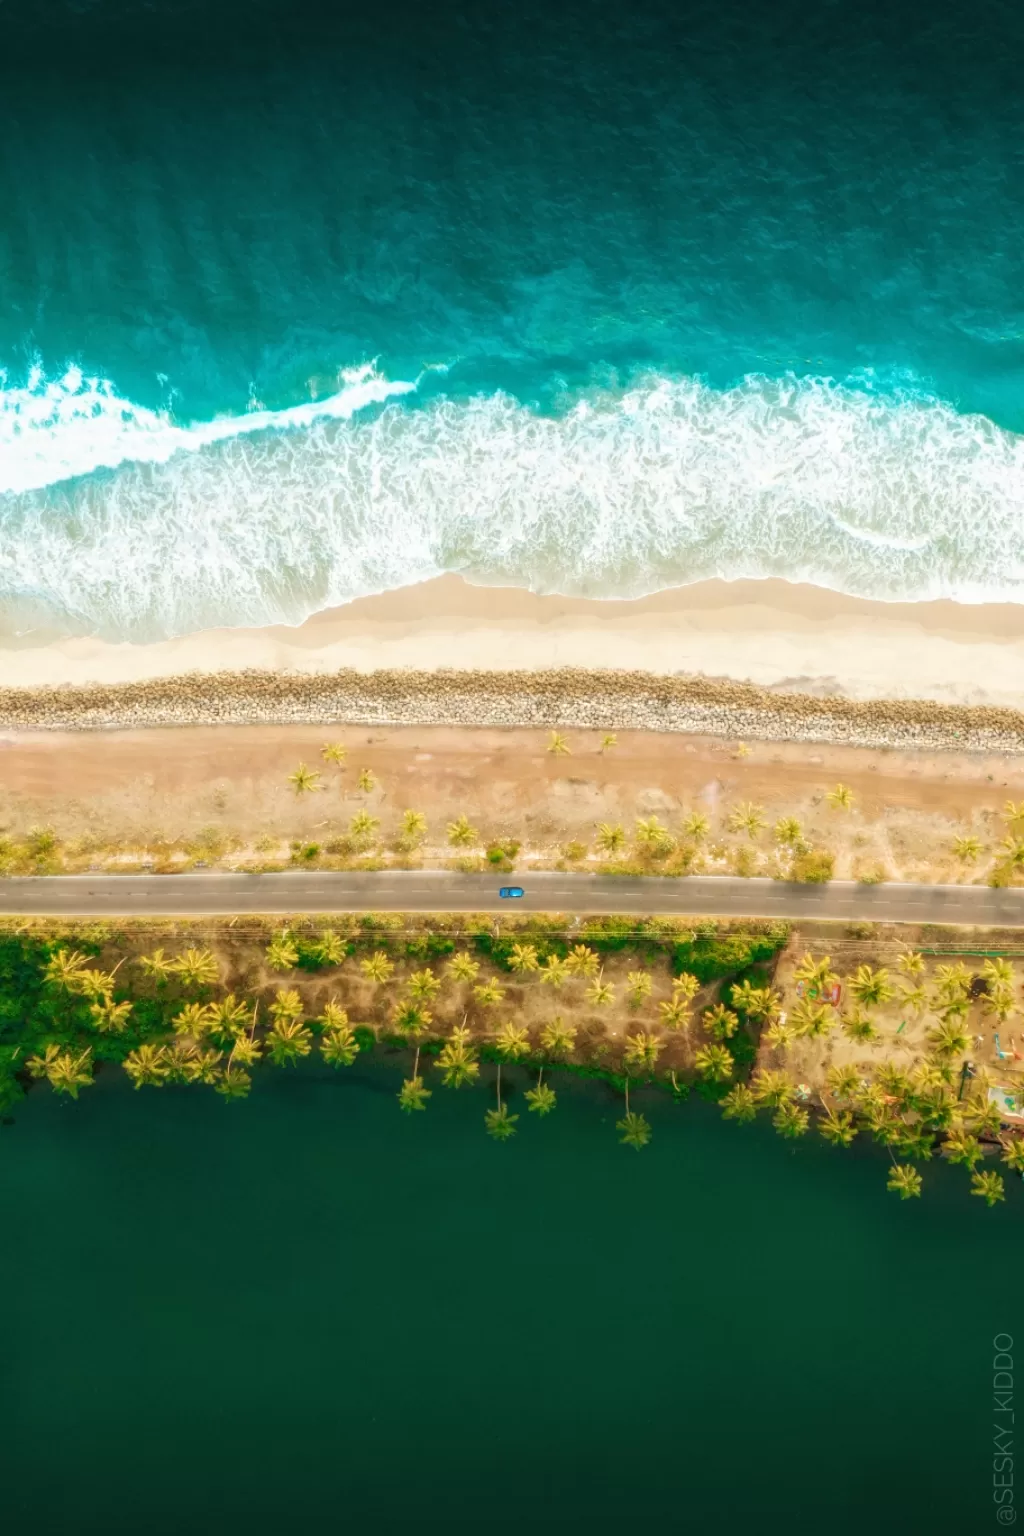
[53,429]
[270,517]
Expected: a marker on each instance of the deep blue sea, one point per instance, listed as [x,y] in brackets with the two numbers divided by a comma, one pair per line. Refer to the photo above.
[300,302]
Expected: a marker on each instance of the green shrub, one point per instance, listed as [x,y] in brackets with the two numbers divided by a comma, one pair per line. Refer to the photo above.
[710,959]
[813,867]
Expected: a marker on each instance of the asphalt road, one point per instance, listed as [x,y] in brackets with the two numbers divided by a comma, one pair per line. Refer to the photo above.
[301,891]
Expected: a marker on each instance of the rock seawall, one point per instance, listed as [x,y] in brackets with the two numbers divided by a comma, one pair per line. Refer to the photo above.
[566,697]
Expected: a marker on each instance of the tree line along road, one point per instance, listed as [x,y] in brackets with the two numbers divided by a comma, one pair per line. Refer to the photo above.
[309,891]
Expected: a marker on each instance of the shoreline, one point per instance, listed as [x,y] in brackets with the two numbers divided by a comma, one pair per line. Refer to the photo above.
[768,660]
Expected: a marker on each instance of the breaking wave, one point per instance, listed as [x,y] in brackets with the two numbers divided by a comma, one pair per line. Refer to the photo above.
[117,521]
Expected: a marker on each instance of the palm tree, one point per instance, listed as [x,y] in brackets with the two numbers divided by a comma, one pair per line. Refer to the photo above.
[638,987]
[839,1129]
[304,780]
[287,1040]
[377,967]
[180,1056]
[911,963]
[811,1019]
[414,826]
[67,1071]
[641,1051]
[1013,1155]
[39,1066]
[334,752]
[457,1059]
[914,998]
[554,971]
[949,1038]
[156,965]
[412,1095]
[511,1042]
[600,993]
[756,1003]
[147,1066]
[747,817]
[780,1035]
[197,968]
[966,849]
[95,983]
[1013,815]
[609,741]
[1001,994]
[843,1082]
[460,833]
[857,1026]
[582,960]
[488,994]
[790,1120]
[339,1045]
[961,1147]
[558,1038]
[985,1118]
[334,1016]
[330,948]
[463,967]
[234,1084]
[202,1066]
[714,1062]
[228,1017]
[110,1016]
[685,987]
[988,1187]
[904,1180]
[817,975]
[558,746]
[650,834]
[412,1019]
[363,826]
[287,1004]
[64,968]
[500,1124]
[894,1080]
[788,832]
[367,781]
[720,1022]
[840,798]
[541,1099]
[634,1130]
[935,1106]
[739,1104]
[246,1052]
[1013,852]
[1000,1000]
[423,985]
[282,952]
[610,839]
[771,1088]
[696,826]
[871,988]
[675,1014]
[523,957]
[195,1019]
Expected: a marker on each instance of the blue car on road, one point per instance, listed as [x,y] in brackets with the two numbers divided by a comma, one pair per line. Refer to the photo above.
[508,891]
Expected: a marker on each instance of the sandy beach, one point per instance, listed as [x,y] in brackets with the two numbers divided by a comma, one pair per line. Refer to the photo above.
[774,634]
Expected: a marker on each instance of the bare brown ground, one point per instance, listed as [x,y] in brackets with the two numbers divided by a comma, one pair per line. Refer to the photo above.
[153,793]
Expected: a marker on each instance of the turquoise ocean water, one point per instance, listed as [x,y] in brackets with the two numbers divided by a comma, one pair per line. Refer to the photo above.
[300,302]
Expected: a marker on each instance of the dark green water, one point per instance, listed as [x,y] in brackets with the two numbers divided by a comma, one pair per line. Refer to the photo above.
[308,1313]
